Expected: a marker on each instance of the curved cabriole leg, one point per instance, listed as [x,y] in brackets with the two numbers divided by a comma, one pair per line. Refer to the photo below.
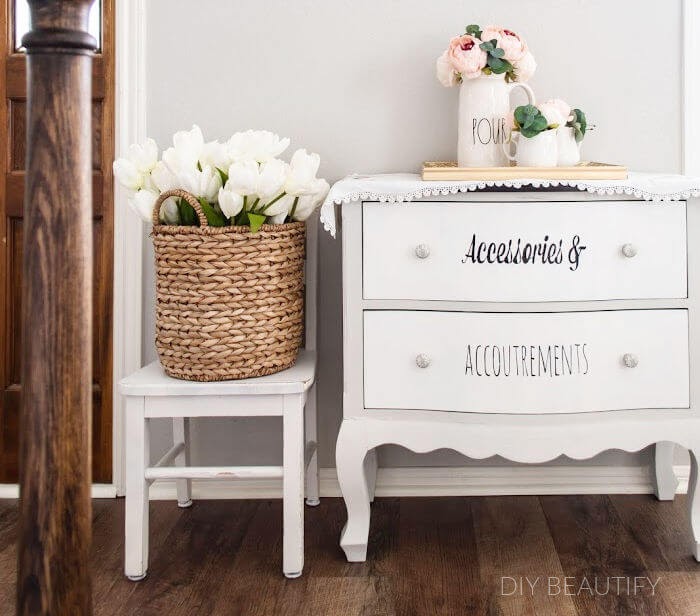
[350,462]
[694,502]
[665,481]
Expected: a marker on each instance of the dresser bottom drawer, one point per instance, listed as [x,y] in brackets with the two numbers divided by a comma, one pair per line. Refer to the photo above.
[567,362]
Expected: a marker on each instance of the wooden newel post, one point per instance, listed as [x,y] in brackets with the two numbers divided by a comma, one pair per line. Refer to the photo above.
[55,508]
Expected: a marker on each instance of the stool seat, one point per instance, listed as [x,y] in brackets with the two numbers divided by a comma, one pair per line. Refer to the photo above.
[151,380]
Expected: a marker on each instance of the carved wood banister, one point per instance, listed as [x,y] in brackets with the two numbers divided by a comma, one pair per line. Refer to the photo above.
[55,507]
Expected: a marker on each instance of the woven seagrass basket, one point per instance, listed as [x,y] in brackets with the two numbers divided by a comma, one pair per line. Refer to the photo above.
[229,303]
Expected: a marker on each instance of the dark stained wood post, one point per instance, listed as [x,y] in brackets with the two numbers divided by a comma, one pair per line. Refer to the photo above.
[55,507]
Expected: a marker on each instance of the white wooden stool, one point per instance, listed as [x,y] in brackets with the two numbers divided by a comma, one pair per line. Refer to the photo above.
[290,394]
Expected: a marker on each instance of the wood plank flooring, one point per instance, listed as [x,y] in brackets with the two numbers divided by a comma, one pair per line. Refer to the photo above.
[524,555]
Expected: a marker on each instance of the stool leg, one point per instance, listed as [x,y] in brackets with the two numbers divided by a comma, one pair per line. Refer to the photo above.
[311,429]
[136,515]
[181,434]
[293,485]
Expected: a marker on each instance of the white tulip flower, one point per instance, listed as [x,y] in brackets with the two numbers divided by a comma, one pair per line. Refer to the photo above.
[277,219]
[257,145]
[169,212]
[243,177]
[132,170]
[215,154]
[271,179]
[230,202]
[163,178]
[204,184]
[143,202]
[308,203]
[186,151]
[302,174]
[279,205]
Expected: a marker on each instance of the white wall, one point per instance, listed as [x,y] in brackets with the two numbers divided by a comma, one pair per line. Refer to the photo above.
[354,81]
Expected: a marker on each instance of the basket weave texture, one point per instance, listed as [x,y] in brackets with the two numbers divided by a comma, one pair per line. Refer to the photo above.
[229,303]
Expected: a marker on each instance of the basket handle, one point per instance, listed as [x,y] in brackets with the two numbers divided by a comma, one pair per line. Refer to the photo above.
[189,197]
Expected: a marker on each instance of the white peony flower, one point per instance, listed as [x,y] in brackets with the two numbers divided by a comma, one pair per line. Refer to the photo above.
[230,202]
[132,170]
[143,202]
[257,145]
[204,184]
[302,174]
[243,177]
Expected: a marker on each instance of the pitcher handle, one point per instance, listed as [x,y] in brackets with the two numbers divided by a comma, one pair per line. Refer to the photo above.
[506,145]
[528,91]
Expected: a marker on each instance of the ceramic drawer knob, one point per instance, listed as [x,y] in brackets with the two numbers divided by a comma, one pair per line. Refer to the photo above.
[630,360]
[629,250]
[422,361]
[422,251]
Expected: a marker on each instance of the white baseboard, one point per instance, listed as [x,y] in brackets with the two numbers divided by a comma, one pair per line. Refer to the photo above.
[469,481]
[432,481]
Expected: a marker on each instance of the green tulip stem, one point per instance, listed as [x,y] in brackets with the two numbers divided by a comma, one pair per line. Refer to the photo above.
[294,208]
[275,200]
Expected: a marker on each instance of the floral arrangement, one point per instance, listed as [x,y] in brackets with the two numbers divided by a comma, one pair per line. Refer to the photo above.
[239,182]
[489,51]
[531,120]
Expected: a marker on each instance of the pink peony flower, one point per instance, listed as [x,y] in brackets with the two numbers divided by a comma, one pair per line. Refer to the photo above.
[556,111]
[445,73]
[525,67]
[466,57]
[513,46]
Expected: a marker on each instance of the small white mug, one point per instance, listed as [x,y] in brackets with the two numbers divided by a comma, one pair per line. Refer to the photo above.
[538,151]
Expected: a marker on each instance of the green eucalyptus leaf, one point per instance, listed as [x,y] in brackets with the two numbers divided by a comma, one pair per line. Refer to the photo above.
[498,52]
[496,65]
[474,30]
[487,46]
[256,221]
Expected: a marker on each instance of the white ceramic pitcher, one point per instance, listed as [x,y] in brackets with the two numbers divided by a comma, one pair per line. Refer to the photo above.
[569,150]
[484,105]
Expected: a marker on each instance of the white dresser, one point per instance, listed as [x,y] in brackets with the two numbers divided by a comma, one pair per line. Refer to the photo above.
[521,324]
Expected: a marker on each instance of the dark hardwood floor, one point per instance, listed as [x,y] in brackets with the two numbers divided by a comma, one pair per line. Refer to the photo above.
[430,556]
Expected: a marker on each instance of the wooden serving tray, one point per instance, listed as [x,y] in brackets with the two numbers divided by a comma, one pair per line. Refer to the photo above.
[449,171]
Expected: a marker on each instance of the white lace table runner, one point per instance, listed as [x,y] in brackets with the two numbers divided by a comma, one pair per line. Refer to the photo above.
[401,187]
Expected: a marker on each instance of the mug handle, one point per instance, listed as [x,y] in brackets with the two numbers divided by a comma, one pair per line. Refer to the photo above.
[506,145]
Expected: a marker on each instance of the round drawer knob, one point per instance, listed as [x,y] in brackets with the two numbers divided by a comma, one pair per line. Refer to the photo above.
[422,361]
[422,251]
[629,250]
[630,360]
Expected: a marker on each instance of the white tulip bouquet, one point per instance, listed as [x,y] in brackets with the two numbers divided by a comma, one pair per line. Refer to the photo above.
[239,182]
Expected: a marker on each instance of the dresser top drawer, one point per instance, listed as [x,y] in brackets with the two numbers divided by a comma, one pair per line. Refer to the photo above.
[524,252]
